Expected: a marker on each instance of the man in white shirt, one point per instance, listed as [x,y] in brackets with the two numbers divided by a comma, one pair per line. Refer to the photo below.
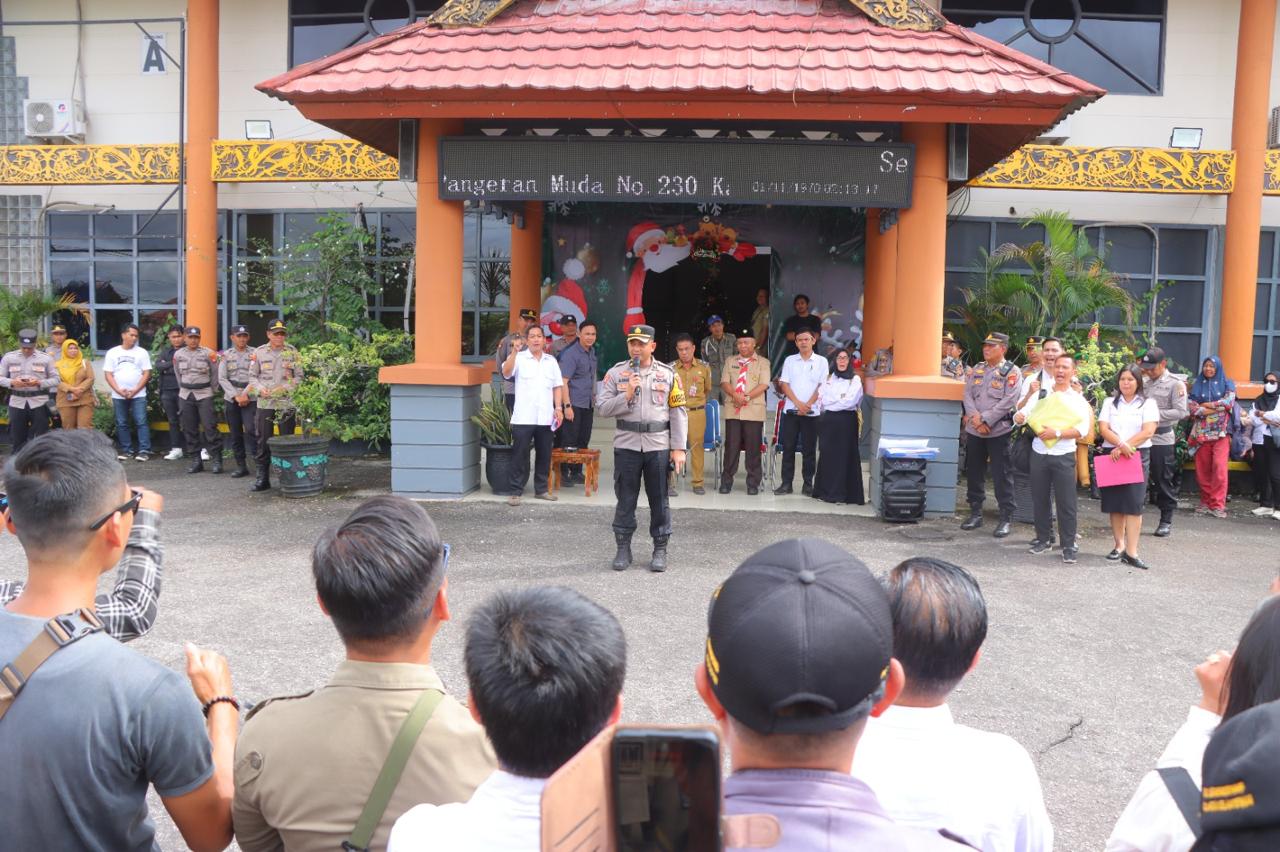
[127,369]
[1041,379]
[539,404]
[545,667]
[928,771]
[800,381]
[1053,462]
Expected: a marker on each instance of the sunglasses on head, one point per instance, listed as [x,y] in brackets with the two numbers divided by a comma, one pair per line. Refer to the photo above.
[130,506]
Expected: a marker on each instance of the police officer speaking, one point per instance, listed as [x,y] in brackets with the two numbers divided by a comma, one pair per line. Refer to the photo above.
[652,426]
[990,394]
[197,369]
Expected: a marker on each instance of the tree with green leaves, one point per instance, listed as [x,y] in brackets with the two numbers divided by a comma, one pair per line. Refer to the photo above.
[21,309]
[327,280]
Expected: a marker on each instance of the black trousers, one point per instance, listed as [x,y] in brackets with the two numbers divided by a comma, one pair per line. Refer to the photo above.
[1054,476]
[1260,464]
[630,469]
[27,423]
[1273,468]
[199,423]
[243,428]
[742,436]
[173,413]
[540,438]
[804,431]
[1162,479]
[978,451]
[264,424]
[576,433]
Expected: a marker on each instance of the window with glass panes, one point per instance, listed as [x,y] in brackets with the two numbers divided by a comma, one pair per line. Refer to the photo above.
[321,27]
[1115,44]
[1186,258]
[486,285]
[121,267]
[1266,311]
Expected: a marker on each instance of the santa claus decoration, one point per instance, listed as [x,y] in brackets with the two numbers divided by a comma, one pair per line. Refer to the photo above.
[654,251]
[567,299]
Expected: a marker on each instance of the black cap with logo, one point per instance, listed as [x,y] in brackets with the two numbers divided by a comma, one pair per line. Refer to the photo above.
[27,337]
[1240,801]
[1153,356]
[239,329]
[802,622]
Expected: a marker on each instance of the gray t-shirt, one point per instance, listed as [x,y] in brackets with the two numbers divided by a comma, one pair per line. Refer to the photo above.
[92,728]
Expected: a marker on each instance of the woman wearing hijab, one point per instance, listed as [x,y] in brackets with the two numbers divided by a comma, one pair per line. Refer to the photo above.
[75,387]
[1266,413]
[1211,399]
[839,476]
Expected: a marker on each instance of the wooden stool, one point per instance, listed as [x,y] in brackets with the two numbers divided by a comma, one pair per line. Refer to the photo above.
[590,461]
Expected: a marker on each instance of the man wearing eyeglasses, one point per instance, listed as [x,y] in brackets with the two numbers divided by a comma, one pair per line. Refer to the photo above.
[92,723]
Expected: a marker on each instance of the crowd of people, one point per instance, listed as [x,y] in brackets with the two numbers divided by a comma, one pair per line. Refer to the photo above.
[829,687]
[54,387]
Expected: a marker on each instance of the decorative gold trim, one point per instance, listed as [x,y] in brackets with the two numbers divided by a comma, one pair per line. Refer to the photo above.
[902,14]
[1167,170]
[1271,173]
[239,161]
[475,13]
[58,165]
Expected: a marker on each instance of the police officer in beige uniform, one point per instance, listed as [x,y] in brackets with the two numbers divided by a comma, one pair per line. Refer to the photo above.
[652,426]
[273,377]
[952,367]
[1169,390]
[991,393]
[29,376]
[196,368]
[234,373]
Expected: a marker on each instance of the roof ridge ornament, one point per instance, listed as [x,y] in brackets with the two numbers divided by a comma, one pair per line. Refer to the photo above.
[913,15]
[468,13]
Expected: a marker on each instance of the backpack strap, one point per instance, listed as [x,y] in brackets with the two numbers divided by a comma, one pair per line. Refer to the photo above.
[392,768]
[59,632]
[1185,794]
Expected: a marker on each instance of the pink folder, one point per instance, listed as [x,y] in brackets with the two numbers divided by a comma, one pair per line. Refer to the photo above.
[1122,471]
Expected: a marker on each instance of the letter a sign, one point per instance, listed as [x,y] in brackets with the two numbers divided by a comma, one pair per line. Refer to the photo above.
[153,59]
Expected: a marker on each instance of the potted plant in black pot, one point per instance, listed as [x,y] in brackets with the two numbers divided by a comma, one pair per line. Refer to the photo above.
[494,422]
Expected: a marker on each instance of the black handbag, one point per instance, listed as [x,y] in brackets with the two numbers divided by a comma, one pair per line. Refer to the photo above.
[1020,449]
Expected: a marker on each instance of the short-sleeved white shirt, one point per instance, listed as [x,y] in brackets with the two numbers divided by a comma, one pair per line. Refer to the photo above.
[1126,418]
[536,379]
[804,377]
[127,367]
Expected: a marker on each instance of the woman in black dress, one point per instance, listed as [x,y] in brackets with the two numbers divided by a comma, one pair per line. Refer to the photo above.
[839,476]
[1127,422]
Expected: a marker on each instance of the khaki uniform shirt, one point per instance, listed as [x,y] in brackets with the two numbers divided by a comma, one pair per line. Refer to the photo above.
[717,353]
[38,366]
[235,371]
[993,392]
[1170,393]
[695,380]
[560,344]
[757,375]
[305,765]
[274,375]
[197,372]
[660,399]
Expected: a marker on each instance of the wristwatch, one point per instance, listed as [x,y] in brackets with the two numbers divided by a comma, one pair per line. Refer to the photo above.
[1057,433]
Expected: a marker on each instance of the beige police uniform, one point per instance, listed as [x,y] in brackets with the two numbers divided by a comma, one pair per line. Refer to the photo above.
[305,765]
[1170,393]
[197,373]
[235,371]
[273,375]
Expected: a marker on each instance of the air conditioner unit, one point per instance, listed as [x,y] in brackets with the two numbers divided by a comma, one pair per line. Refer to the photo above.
[63,119]
[1273,129]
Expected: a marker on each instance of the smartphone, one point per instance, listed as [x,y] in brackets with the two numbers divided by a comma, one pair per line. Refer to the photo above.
[666,789]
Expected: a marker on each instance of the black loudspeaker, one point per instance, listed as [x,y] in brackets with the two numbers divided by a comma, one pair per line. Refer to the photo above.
[902,489]
[957,152]
[407,156]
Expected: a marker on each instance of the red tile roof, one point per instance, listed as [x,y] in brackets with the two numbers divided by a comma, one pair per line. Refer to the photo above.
[768,48]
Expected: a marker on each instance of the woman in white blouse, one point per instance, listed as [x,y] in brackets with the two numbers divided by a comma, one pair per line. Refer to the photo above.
[839,476]
[1127,422]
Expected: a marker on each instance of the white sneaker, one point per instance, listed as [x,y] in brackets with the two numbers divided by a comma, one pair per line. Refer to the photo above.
[1276,514]
[1263,511]
[174,454]
[204,455]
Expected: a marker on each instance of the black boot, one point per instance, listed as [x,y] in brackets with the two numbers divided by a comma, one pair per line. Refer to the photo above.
[622,560]
[974,521]
[216,467]
[658,563]
[1002,528]
[263,482]
[241,471]
[197,466]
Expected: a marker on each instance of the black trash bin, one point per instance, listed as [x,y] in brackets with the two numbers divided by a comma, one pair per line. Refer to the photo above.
[902,489]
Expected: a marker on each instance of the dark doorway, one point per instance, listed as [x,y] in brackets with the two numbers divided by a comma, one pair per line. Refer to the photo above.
[680,299]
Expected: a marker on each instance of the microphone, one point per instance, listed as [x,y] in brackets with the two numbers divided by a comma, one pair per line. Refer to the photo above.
[635,364]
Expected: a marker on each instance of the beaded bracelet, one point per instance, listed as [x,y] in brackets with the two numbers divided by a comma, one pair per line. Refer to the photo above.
[217,700]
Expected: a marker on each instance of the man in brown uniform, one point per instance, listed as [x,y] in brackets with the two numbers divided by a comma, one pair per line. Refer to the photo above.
[743,384]
[29,376]
[695,380]
[196,368]
[234,372]
[273,377]
[306,764]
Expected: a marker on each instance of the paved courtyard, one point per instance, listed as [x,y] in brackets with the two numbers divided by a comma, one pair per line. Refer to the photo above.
[1088,666]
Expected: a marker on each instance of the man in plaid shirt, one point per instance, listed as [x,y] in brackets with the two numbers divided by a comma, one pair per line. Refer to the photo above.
[130,609]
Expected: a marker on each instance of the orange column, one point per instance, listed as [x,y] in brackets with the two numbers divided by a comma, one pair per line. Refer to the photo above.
[922,236]
[878,296]
[526,262]
[438,272]
[1244,205]
[201,192]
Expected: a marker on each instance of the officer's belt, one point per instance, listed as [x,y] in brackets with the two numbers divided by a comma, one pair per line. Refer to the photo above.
[694,407]
[28,393]
[241,385]
[195,387]
[1164,430]
[647,426]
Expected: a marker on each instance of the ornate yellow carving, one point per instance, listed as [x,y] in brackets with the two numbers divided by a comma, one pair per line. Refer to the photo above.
[46,165]
[238,161]
[468,13]
[1114,170]
[902,14]
[1271,174]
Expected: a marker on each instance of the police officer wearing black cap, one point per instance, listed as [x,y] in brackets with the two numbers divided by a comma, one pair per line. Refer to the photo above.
[29,375]
[241,410]
[196,367]
[1170,394]
[991,393]
[274,375]
[646,398]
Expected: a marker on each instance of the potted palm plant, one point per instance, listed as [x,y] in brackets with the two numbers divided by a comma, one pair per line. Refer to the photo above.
[494,422]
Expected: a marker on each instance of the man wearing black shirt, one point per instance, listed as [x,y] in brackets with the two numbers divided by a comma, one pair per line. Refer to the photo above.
[169,390]
[801,319]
